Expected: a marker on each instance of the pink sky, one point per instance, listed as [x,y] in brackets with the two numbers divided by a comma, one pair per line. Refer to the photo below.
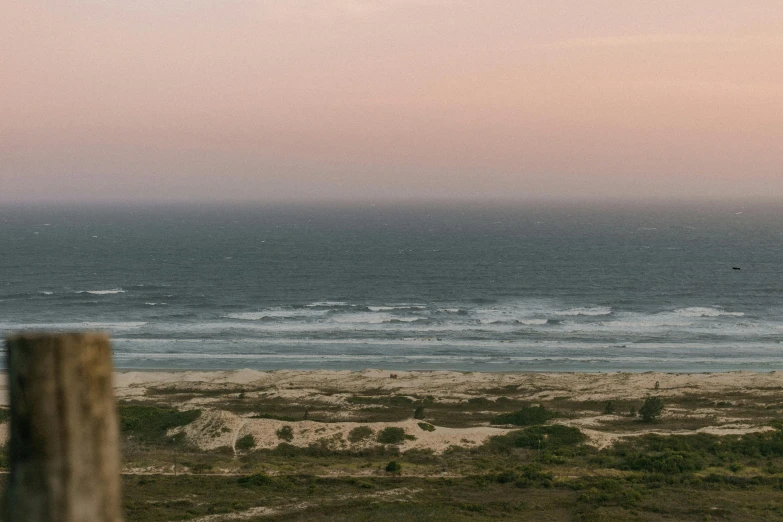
[372,100]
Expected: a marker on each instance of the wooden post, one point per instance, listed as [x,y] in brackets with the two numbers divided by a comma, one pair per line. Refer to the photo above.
[64,455]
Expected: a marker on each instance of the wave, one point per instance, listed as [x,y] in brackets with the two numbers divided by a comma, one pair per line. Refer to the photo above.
[275,314]
[389,308]
[101,292]
[697,311]
[457,311]
[588,311]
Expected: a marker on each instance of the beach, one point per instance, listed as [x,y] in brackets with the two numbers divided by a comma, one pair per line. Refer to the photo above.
[717,403]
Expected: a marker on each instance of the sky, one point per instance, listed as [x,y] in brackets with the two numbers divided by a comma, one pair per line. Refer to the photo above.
[319,100]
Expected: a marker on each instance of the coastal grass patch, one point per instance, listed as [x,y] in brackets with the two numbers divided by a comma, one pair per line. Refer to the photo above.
[150,424]
[623,423]
[359,434]
[549,438]
[523,493]
[526,416]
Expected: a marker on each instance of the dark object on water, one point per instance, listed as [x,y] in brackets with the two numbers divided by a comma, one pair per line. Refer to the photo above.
[736,268]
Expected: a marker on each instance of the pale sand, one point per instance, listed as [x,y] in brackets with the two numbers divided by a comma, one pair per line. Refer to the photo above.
[216,428]
[459,385]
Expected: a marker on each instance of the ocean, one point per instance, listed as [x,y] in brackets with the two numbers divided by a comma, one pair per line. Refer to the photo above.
[525,287]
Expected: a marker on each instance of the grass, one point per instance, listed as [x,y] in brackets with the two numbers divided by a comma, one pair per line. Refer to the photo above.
[527,416]
[525,493]
[150,424]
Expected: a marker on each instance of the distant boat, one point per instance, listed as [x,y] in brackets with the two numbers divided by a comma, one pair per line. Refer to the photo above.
[736,268]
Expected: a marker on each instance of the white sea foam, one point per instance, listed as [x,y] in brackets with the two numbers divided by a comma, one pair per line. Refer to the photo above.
[396,307]
[697,311]
[102,292]
[46,292]
[588,311]
[275,314]
[533,322]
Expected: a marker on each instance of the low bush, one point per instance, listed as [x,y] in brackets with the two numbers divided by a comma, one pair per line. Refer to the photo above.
[246,443]
[528,416]
[391,435]
[426,427]
[360,433]
[531,475]
[666,462]
[393,467]
[254,481]
[555,437]
[285,433]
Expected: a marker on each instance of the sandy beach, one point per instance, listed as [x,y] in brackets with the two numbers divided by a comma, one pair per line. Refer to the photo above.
[716,403]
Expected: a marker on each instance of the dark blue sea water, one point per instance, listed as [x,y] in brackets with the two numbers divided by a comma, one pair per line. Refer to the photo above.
[507,288]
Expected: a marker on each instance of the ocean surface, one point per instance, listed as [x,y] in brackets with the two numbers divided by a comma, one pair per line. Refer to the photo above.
[460,287]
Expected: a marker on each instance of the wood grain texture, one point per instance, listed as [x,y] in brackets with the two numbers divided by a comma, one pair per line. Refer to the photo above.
[64,453]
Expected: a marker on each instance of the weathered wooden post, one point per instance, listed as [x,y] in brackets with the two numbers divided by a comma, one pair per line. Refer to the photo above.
[64,454]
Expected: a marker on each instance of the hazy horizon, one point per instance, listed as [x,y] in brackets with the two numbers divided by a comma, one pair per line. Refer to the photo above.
[388,101]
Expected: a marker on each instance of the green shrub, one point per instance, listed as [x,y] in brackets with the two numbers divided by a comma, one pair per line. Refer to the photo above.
[426,427]
[391,435]
[393,467]
[421,456]
[667,462]
[418,413]
[5,414]
[528,416]
[651,409]
[552,437]
[400,400]
[531,475]
[150,424]
[254,481]
[360,433]
[245,443]
[285,433]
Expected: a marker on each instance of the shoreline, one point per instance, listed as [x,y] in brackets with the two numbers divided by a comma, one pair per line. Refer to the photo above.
[429,370]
